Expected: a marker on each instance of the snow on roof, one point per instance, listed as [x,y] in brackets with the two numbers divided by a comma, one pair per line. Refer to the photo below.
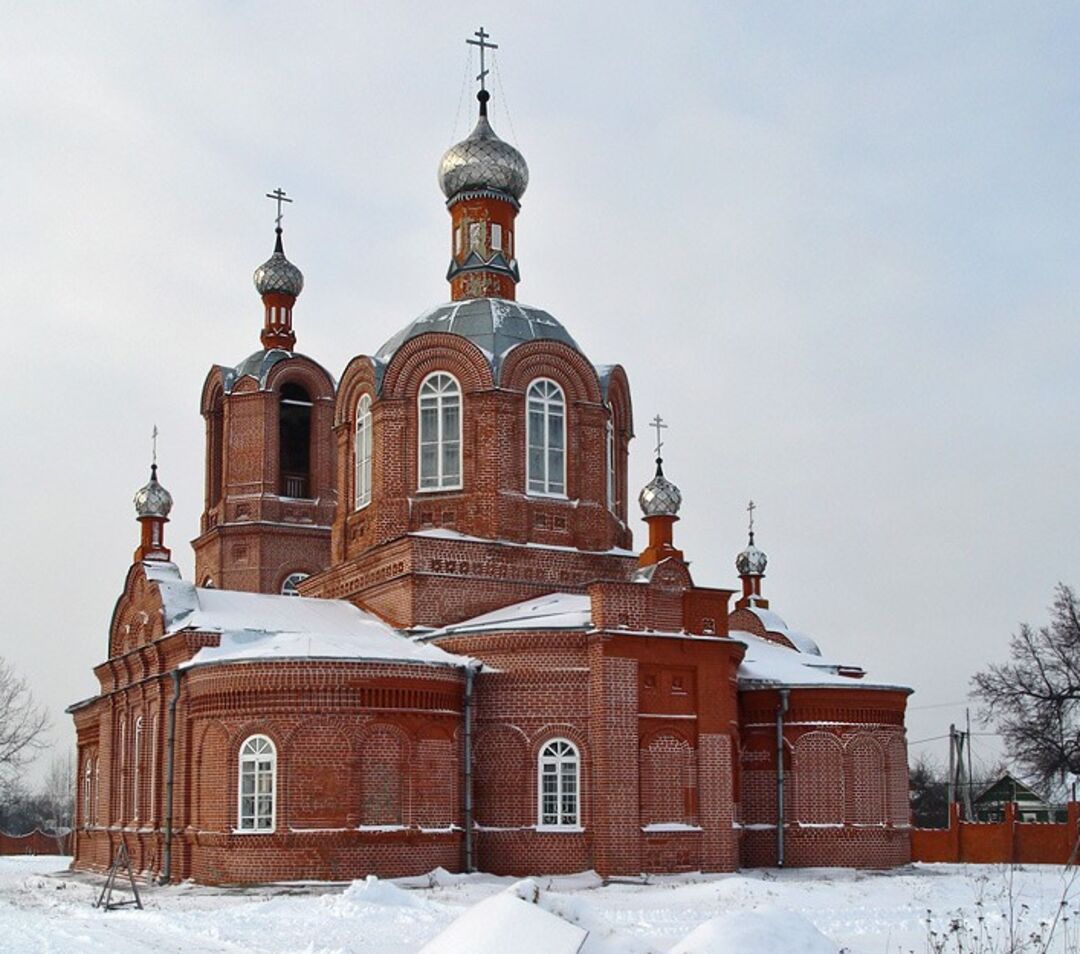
[769,664]
[445,533]
[774,624]
[506,922]
[553,611]
[264,626]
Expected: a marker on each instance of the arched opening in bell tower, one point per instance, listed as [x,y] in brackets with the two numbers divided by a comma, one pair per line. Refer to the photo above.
[294,442]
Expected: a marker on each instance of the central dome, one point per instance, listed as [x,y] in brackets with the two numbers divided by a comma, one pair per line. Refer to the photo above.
[483,161]
[494,325]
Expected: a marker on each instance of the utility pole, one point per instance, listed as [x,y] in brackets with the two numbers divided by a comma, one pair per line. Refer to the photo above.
[968,798]
[952,766]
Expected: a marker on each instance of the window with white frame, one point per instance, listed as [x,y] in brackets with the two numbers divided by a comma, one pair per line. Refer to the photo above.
[496,237]
[476,236]
[363,452]
[611,488]
[559,776]
[258,784]
[290,586]
[439,411]
[545,417]
[136,765]
[88,789]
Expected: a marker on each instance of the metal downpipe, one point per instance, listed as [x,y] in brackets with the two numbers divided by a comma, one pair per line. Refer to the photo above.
[781,711]
[470,674]
[170,753]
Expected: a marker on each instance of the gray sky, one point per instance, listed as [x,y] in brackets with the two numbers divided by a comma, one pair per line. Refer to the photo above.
[835,245]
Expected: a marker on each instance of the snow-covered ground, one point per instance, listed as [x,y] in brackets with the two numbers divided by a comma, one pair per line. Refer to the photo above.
[42,908]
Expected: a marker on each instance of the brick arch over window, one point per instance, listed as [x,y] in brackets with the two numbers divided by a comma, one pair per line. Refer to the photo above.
[898,804]
[213,410]
[668,779]
[818,767]
[864,777]
[383,769]
[431,352]
[303,372]
[359,378]
[501,777]
[138,596]
[550,359]
[214,803]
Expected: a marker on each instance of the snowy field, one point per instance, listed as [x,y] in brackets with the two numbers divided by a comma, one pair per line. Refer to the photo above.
[42,908]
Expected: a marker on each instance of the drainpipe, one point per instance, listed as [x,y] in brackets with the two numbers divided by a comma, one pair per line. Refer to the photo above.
[470,674]
[170,751]
[781,711]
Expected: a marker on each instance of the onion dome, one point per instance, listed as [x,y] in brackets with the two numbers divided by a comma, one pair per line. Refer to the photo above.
[752,561]
[660,497]
[277,274]
[153,500]
[483,161]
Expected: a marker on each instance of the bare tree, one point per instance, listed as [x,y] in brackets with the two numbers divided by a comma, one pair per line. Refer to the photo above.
[58,791]
[23,723]
[1034,699]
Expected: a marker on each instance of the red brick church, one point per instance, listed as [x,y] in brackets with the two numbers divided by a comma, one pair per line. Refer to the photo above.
[420,634]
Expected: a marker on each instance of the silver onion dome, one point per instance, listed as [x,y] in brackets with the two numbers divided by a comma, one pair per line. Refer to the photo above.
[153,500]
[660,497]
[483,161]
[752,561]
[278,274]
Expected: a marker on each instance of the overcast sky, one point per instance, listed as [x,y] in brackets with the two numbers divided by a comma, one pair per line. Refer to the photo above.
[834,244]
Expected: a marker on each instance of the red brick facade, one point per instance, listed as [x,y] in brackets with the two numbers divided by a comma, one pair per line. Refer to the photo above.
[618,735]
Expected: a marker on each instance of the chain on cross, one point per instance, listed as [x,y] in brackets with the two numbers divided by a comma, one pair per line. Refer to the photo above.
[279,196]
[483,46]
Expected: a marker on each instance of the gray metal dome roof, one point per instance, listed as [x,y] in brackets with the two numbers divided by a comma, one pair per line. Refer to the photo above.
[153,500]
[494,325]
[752,561]
[483,161]
[278,274]
[660,497]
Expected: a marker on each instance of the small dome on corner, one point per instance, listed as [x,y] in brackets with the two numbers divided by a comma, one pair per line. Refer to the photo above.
[153,500]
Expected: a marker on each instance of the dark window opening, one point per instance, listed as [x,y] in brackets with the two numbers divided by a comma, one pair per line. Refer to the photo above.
[216,475]
[294,433]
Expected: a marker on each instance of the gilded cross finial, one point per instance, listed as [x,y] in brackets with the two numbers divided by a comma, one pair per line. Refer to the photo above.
[279,196]
[483,46]
[659,425]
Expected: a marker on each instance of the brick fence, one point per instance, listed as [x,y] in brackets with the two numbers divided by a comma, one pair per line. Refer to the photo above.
[36,842]
[1006,841]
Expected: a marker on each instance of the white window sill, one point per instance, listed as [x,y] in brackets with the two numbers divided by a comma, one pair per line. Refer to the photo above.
[560,829]
[253,831]
[362,506]
[545,495]
[439,490]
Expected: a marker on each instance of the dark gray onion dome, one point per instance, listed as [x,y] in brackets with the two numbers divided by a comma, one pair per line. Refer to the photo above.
[483,161]
[153,500]
[752,561]
[278,274]
[494,325]
[660,497]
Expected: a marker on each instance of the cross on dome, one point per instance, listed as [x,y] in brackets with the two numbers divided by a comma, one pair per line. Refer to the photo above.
[279,196]
[153,443]
[750,508]
[658,424]
[483,46]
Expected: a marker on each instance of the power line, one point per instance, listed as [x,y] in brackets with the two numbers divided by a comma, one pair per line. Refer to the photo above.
[933,738]
[939,705]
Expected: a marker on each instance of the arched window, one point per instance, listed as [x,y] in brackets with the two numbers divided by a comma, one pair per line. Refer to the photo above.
[559,776]
[136,765]
[545,417]
[215,473]
[88,789]
[294,440]
[440,433]
[612,489]
[363,452]
[258,784]
[291,584]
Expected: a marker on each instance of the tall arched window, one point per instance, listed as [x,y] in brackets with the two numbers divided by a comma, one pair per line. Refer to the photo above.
[258,784]
[612,488]
[363,452]
[559,777]
[88,789]
[440,433]
[294,441]
[546,424]
[215,473]
[136,765]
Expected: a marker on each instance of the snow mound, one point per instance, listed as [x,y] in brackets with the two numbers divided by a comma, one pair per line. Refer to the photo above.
[373,891]
[765,931]
[509,921]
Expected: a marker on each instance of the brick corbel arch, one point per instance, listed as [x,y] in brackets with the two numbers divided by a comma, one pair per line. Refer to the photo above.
[358,379]
[618,396]
[213,390]
[550,359]
[305,372]
[436,351]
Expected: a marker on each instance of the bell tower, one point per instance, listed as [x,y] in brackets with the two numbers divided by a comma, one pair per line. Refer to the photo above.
[270,489]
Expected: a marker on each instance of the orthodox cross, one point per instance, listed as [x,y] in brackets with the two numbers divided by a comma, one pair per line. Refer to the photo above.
[658,423]
[153,442]
[278,195]
[483,46]
[750,508]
